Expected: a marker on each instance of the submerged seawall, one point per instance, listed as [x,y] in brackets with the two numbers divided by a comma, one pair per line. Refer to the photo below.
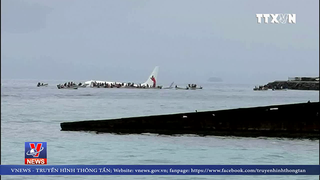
[291,120]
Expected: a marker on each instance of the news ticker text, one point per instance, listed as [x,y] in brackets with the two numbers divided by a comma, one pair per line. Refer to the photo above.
[160,169]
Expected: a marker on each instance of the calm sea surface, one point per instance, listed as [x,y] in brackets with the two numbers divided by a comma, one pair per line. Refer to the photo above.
[29,113]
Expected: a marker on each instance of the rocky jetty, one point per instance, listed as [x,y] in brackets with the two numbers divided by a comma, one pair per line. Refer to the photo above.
[297,85]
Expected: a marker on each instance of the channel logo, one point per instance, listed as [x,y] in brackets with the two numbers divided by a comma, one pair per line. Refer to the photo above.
[35,153]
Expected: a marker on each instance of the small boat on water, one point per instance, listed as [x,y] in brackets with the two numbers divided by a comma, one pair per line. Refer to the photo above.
[193,87]
[260,88]
[61,86]
[83,86]
[180,88]
[189,87]
[80,85]
[69,85]
[42,84]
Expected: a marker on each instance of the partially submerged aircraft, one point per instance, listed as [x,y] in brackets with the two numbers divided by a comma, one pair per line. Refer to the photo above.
[170,87]
[151,82]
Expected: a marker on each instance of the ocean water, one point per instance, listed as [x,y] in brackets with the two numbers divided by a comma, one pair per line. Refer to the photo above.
[29,113]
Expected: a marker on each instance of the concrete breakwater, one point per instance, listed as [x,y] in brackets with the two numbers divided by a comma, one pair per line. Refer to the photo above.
[298,85]
[291,120]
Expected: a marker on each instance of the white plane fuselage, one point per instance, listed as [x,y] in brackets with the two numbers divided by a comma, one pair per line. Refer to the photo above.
[150,83]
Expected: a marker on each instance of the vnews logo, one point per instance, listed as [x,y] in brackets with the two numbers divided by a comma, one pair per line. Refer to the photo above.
[277,18]
[35,152]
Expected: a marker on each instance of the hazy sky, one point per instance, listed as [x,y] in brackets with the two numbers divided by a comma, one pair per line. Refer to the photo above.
[190,40]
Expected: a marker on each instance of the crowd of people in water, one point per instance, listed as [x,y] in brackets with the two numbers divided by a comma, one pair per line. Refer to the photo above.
[69,85]
[94,84]
[106,85]
[121,85]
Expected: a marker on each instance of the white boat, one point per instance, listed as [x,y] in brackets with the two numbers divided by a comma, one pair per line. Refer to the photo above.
[82,86]
[59,86]
[180,88]
[42,84]
[195,87]
[189,87]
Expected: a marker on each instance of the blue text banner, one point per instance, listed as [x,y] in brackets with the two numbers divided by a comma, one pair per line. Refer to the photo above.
[160,170]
